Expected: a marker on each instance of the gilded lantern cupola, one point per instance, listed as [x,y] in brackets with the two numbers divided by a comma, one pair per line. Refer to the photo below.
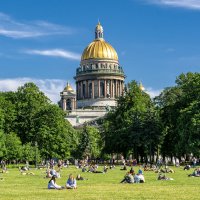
[98,31]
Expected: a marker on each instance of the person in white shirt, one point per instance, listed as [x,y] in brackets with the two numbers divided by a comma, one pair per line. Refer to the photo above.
[52,184]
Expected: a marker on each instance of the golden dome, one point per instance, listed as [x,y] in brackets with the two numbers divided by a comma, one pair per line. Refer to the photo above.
[68,88]
[99,48]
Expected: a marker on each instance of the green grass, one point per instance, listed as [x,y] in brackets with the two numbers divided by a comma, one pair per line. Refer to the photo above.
[99,186]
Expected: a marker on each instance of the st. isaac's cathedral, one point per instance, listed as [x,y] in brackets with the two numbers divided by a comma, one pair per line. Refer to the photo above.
[99,81]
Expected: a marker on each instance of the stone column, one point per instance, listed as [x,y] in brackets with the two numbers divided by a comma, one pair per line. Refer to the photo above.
[99,88]
[105,88]
[92,89]
[64,104]
[81,89]
[88,89]
[76,90]
[111,88]
[74,104]
[116,88]
[120,88]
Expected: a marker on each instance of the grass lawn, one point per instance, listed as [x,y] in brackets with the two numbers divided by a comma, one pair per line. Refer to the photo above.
[99,186]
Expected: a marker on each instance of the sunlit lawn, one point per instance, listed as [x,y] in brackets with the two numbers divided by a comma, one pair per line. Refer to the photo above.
[99,186]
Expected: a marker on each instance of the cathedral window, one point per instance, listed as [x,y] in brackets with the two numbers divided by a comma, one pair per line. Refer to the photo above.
[68,104]
[83,90]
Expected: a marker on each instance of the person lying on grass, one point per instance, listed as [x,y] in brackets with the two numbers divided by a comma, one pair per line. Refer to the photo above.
[71,182]
[80,178]
[52,184]
[93,169]
[163,177]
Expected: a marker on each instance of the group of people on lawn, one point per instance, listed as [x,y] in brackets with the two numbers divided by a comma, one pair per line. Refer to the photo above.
[130,176]
[70,184]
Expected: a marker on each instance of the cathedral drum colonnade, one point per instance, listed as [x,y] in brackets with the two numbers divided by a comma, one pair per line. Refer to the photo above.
[99,78]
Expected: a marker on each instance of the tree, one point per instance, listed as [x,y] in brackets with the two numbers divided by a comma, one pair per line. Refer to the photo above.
[180,110]
[30,114]
[54,135]
[7,106]
[130,124]
[90,142]
[29,102]
[28,152]
[13,147]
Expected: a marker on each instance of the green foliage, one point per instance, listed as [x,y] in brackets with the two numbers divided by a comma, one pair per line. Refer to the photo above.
[30,114]
[2,144]
[90,142]
[13,147]
[28,152]
[180,110]
[29,102]
[7,107]
[134,126]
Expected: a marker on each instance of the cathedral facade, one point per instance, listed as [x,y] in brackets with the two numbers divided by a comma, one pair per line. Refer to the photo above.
[99,78]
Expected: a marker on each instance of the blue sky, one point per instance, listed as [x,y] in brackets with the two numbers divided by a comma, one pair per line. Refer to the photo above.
[42,40]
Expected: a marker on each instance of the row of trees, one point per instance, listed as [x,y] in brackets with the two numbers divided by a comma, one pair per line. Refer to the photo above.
[168,125]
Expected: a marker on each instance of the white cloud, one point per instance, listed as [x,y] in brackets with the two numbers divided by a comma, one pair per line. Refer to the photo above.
[9,27]
[51,87]
[55,53]
[152,92]
[188,4]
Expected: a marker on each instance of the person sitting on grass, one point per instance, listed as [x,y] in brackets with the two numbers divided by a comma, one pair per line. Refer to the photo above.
[141,177]
[138,178]
[71,182]
[128,178]
[187,167]
[105,169]
[196,173]
[52,184]
[84,169]
[124,167]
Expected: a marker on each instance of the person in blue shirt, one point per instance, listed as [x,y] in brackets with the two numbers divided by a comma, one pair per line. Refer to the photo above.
[71,182]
